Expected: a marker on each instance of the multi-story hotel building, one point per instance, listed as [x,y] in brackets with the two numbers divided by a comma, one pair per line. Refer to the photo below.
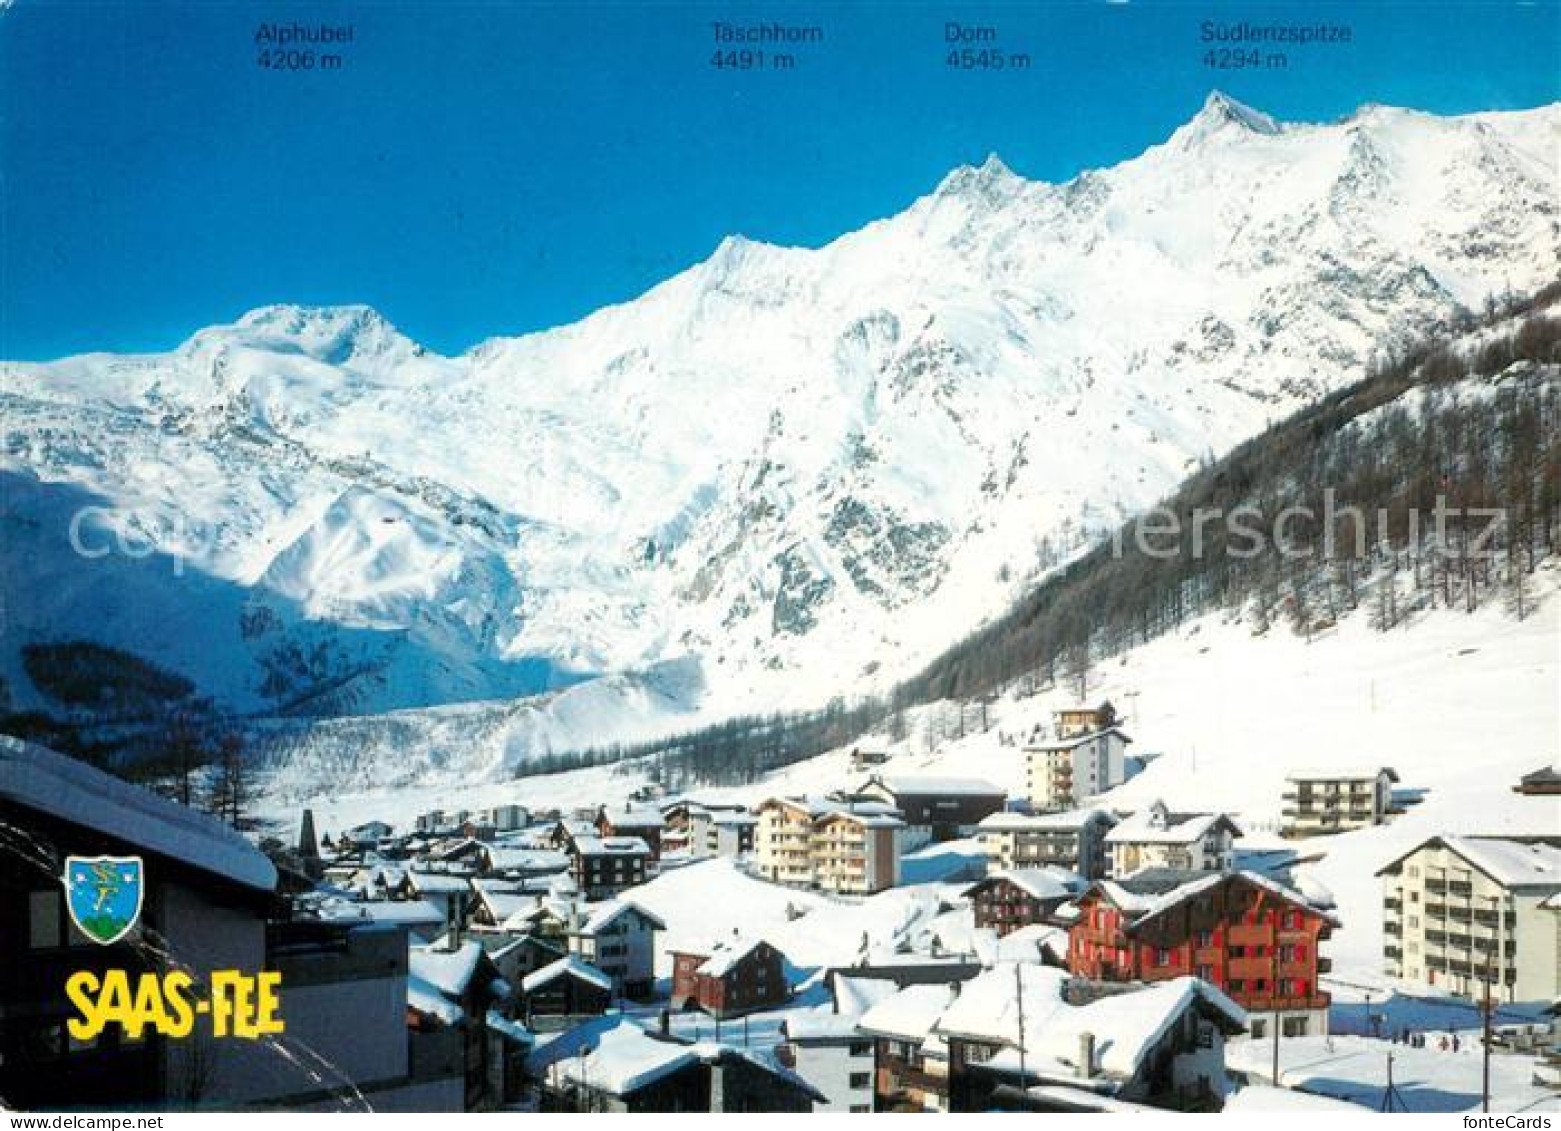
[1318,802]
[847,847]
[1463,913]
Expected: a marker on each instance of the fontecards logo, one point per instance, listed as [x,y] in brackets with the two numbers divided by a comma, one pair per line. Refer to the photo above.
[103,894]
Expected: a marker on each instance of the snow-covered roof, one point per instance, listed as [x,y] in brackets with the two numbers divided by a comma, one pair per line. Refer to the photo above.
[504,858]
[609,911]
[1156,825]
[427,1000]
[927,786]
[1142,907]
[909,1014]
[1067,821]
[406,912]
[1511,863]
[40,779]
[734,818]
[1342,773]
[570,966]
[1125,1026]
[1040,883]
[725,954]
[856,996]
[611,846]
[439,883]
[448,971]
[642,817]
[510,1029]
[822,1024]
[616,1055]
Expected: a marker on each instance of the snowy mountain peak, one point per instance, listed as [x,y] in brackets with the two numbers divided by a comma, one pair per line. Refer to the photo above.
[349,335]
[1221,114]
[992,179]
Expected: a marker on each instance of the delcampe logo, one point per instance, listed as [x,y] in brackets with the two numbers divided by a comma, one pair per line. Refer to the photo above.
[104,895]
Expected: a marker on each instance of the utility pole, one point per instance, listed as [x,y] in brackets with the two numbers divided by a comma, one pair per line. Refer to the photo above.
[1019,997]
[1485,1041]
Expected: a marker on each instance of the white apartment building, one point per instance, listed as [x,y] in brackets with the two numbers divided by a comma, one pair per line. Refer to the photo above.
[1319,802]
[1069,771]
[1075,840]
[828,1051]
[846,847]
[1465,912]
[619,939]
[1155,837]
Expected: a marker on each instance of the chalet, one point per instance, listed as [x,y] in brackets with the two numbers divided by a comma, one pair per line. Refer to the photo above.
[1543,782]
[644,822]
[518,955]
[1333,801]
[1068,771]
[1032,1027]
[842,846]
[604,866]
[463,978]
[519,862]
[1070,722]
[1074,840]
[566,988]
[1020,898]
[936,808]
[619,939]
[1469,913]
[1250,937]
[1158,838]
[730,977]
[614,1065]
[910,1067]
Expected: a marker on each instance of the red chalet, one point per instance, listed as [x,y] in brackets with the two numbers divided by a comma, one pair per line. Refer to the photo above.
[1253,938]
[732,977]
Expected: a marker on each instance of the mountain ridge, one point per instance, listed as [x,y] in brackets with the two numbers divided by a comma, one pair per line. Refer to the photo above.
[799,469]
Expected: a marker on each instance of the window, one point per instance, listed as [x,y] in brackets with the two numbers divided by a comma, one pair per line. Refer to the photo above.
[861,1109]
[860,1048]
[1295,1026]
[1162,957]
[861,1079]
[1205,937]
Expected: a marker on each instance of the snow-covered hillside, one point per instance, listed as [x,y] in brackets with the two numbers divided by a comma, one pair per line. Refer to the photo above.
[785,471]
[1461,705]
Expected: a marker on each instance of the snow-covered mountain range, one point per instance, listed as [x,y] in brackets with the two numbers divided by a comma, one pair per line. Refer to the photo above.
[781,475]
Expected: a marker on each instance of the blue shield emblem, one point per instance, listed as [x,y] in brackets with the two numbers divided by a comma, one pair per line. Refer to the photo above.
[103,894]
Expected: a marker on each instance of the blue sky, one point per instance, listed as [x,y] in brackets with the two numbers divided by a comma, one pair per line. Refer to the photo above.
[481,169]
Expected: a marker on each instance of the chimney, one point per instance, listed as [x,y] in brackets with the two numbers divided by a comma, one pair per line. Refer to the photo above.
[1086,1065]
[308,849]
[452,919]
[664,1022]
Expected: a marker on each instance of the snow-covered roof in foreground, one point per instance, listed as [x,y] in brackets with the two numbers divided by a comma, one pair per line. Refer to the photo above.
[1040,883]
[1142,908]
[40,779]
[427,1000]
[910,1014]
[1126,1026]
[1145,827]
[448,971]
